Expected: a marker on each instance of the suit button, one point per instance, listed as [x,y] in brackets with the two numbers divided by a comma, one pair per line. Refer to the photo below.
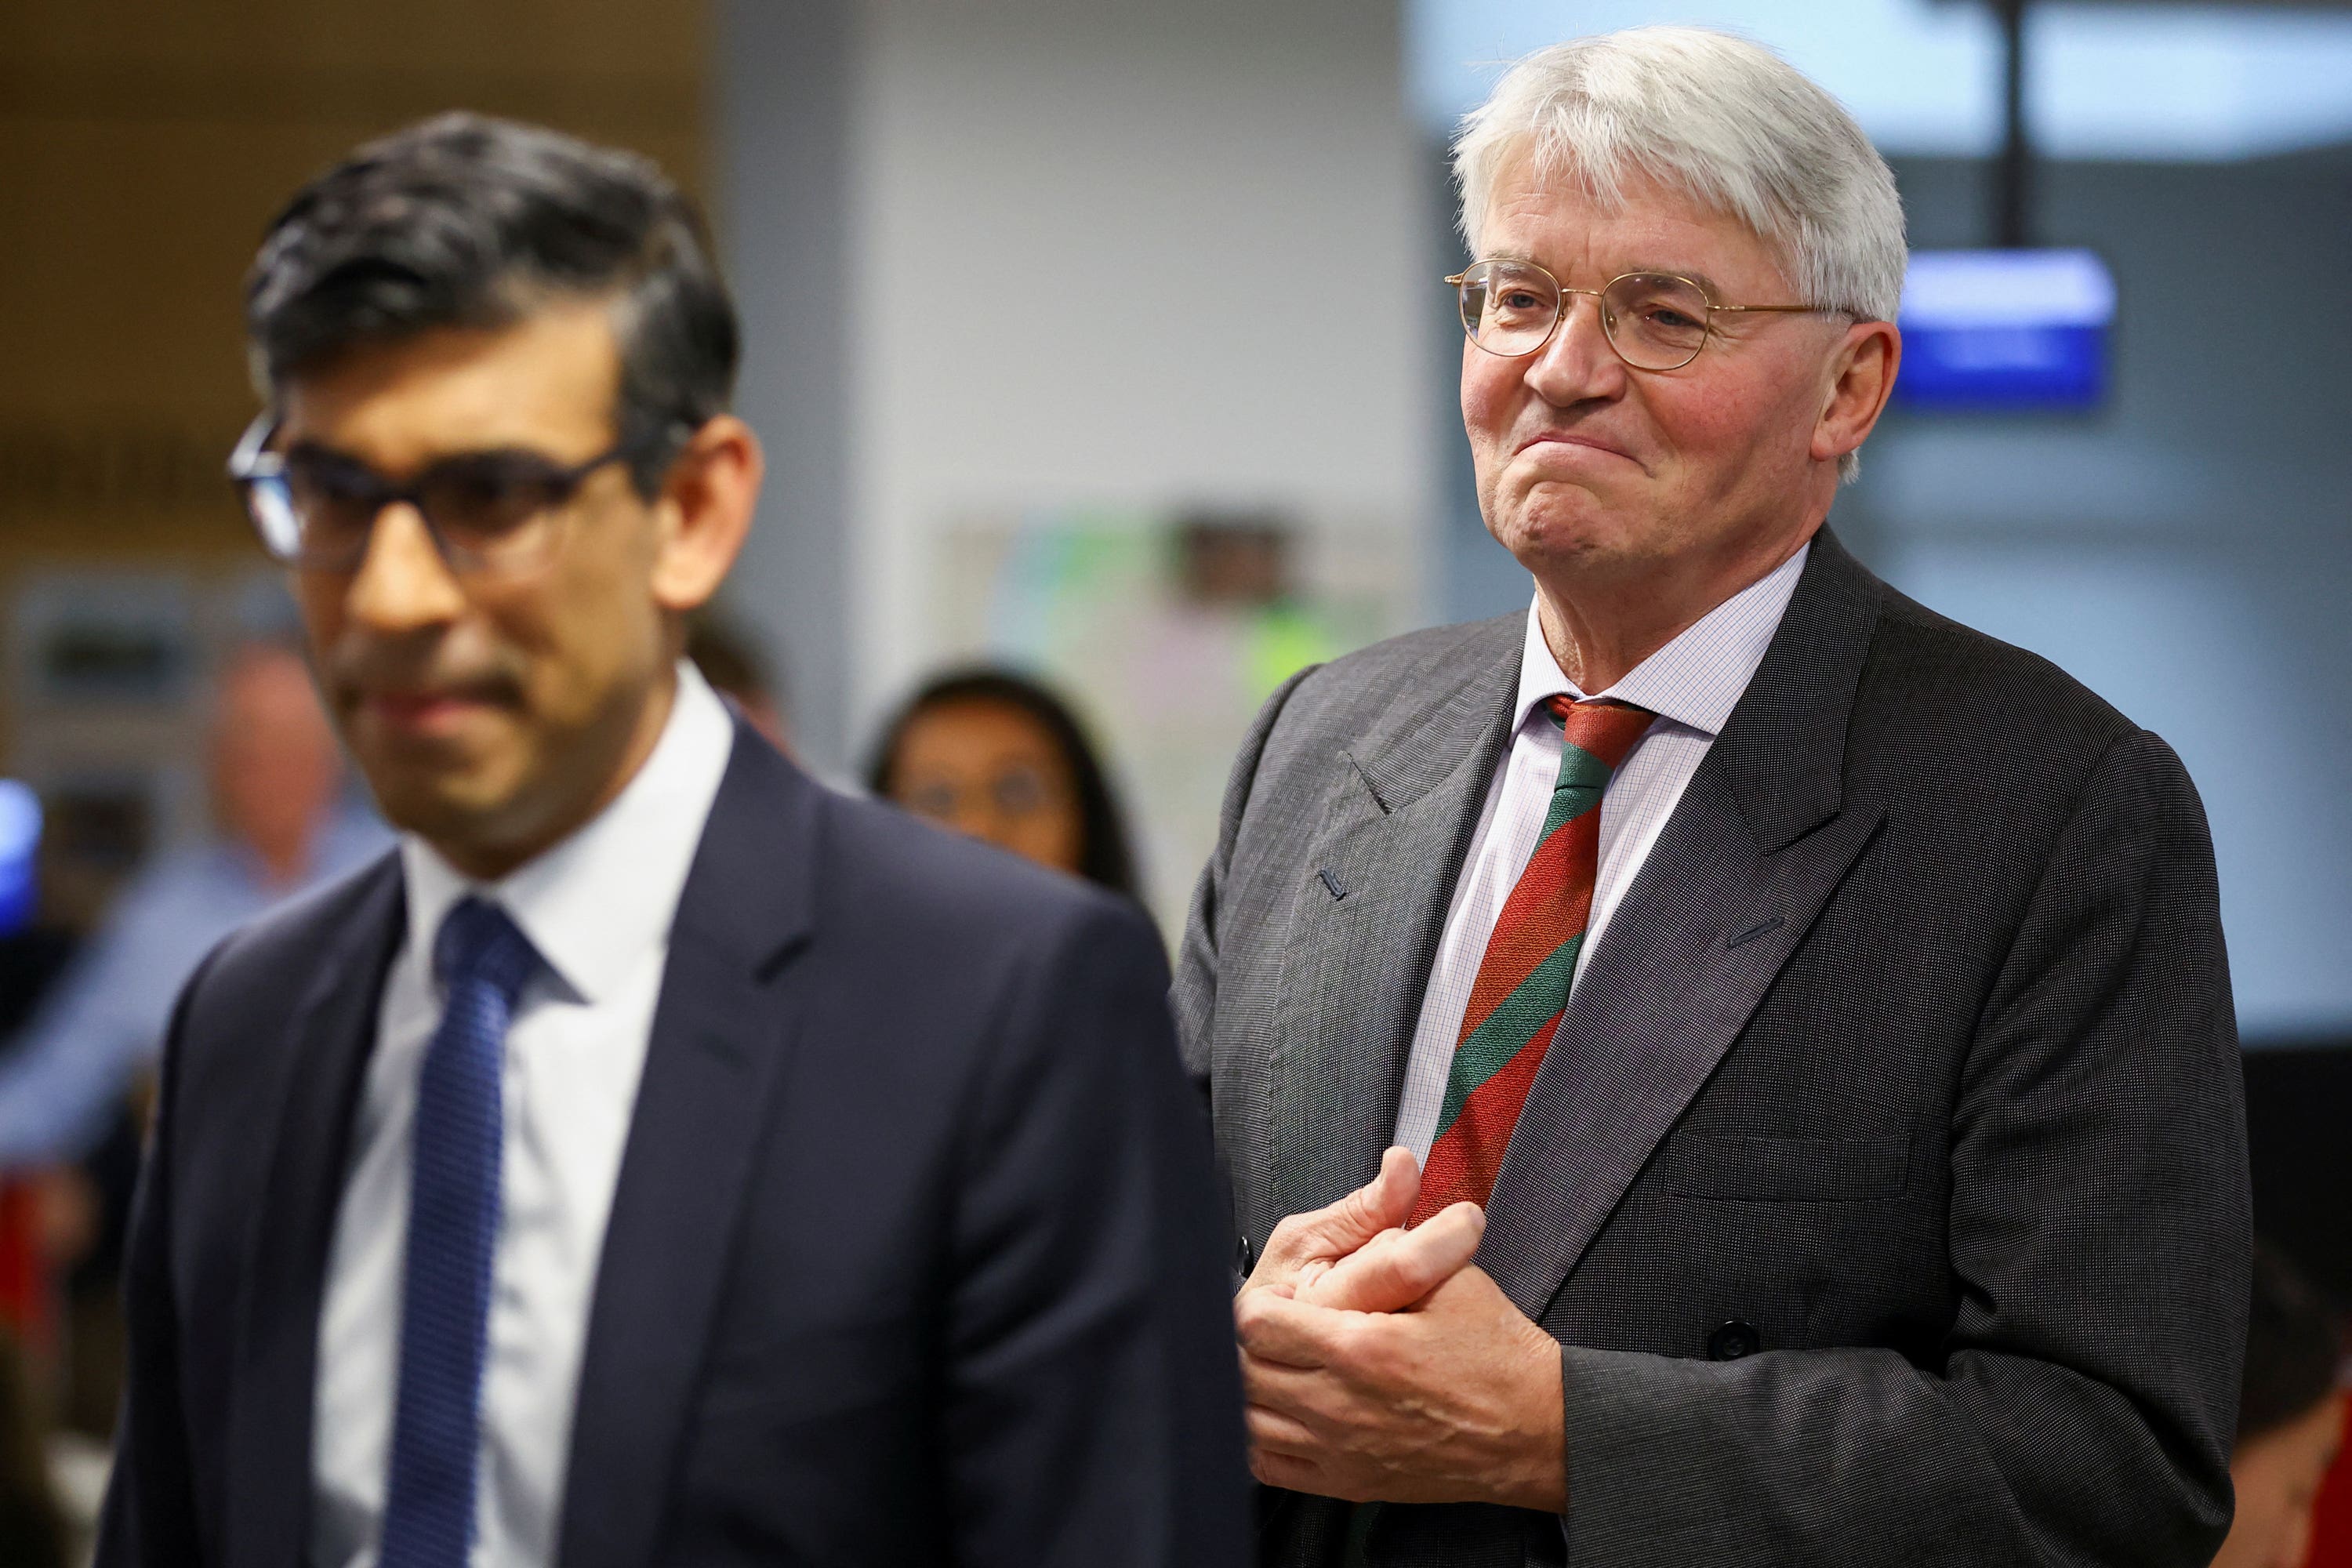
[1734,1340]
[1244,1256]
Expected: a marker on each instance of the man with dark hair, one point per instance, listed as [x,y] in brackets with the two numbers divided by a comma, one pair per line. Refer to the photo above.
[658,1159]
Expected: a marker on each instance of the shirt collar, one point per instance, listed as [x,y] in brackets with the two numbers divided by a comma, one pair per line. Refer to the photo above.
[1695,681]
[605,896]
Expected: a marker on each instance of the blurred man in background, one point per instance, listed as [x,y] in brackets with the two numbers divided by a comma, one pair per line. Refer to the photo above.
[1811,1014]
[659,1159]
[275,779]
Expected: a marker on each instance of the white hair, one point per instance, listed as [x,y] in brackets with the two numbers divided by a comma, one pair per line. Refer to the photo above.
[1723,121]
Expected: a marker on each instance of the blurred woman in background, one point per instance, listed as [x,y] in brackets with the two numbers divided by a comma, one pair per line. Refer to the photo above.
[998,757]
[2290,1418]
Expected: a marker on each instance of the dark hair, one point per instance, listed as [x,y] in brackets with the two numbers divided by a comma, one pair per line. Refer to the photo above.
[465,221]
[1103,854]
[2295,1347]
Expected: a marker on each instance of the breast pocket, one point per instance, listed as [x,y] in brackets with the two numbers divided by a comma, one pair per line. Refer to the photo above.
[1763,1168]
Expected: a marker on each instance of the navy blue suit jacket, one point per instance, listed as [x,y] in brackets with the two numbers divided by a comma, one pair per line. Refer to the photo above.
[914,1254]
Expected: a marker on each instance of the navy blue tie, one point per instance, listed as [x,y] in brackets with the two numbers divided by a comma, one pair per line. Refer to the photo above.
[482,961]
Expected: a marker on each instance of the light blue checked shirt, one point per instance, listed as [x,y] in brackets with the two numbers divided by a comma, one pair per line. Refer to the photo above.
[1692,685]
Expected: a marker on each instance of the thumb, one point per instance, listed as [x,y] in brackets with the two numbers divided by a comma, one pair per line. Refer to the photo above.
[1401,1266]
[1384,1202]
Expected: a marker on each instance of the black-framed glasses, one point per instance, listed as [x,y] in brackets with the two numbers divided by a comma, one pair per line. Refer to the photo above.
[494,510]
[1655,320]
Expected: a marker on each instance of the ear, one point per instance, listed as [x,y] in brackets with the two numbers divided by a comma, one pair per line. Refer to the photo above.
[1861,377]
[705,509]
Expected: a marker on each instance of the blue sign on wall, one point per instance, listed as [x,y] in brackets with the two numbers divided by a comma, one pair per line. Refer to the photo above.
[2002,330]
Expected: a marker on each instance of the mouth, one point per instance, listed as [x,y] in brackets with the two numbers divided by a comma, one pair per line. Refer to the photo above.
[424,713]
[1572,439]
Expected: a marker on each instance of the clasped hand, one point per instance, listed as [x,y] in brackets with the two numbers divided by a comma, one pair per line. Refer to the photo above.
[1380,1364]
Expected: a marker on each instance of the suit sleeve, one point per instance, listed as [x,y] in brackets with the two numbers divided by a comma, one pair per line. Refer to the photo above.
[1093,1412]
[1195,990]
[150,1520]
[2082,1409]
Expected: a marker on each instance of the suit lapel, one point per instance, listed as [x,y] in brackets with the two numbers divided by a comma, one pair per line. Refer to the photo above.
[1761,838]
[1369,906]
[327,1043]
[722,1035]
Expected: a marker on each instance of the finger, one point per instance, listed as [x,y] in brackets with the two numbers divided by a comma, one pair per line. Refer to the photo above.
[1297,1390]
[1277,1433]
[1471,1292]
[1399,1268]
[1289,1332]
[1341,1227]
[1297,1475]
[1320,1400]
[1289,1472]
[1340,1282]
[1391,1193]
[1280,1329]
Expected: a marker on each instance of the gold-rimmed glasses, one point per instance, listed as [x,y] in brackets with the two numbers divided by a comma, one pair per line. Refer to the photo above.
[1655,320]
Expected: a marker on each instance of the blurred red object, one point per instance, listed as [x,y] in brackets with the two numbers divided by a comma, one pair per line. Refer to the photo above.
[2331,1525]
[24,1301]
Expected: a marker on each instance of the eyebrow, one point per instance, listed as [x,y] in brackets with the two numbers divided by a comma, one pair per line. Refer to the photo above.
[1714,291]
[315,451]
[320,452]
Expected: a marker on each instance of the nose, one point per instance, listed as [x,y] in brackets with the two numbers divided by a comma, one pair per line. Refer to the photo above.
[1576,364]
[402,583]
[981,820]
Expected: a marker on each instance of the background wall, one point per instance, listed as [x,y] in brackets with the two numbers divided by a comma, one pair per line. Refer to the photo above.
[1079,247]
[1062,273]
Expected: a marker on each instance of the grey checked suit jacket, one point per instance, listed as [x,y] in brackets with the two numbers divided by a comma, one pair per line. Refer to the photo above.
[1910,1049]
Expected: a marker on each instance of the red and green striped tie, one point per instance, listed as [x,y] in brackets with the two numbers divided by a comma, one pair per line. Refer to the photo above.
[1522,984]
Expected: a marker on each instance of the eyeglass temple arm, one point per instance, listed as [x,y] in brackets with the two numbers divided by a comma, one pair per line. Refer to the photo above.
[250,459]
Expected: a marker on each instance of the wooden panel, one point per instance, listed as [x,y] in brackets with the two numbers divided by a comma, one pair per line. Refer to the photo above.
[145,144]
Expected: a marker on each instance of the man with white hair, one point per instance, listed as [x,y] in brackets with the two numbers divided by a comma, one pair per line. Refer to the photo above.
[1797,1025]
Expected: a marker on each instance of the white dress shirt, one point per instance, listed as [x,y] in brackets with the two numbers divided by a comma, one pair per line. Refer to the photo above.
[1692,684]
[598,908]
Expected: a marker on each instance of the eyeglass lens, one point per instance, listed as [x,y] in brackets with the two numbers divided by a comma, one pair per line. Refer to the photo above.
[486,507]
[1654,321]
[1015,792]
